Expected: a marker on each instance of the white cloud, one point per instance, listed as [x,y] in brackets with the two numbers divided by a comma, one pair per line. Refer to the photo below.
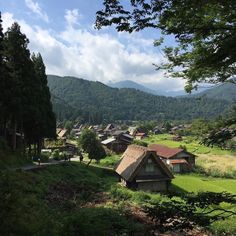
[95,56]
[72,17]
[35,8]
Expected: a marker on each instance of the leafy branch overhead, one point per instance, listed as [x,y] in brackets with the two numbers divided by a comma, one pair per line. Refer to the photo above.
[205,33]
[193,209]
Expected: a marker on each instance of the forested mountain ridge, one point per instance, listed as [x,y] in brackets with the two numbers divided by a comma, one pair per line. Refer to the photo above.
[131,84]
[226,91]
[95,102]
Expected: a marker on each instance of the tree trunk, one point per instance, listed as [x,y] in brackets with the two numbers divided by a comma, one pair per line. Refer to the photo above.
[14,135]
[89,162]
[39,147]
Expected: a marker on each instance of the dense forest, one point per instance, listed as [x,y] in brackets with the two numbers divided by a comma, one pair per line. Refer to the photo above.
[95,102]
[26,110]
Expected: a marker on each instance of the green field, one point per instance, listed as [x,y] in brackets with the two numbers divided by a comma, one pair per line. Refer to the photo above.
[198,183]
[190,142]
[209,161]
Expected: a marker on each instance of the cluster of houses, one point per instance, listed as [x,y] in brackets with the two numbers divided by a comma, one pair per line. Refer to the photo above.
[146,168]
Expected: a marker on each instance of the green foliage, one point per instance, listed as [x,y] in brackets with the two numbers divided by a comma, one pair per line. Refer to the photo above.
[109,161]
[25,103]
[89,142]
[99,103]
[57,155]
[74,199]
[140,143]
[204,33]
[223,131]
[93,221]
[200,209]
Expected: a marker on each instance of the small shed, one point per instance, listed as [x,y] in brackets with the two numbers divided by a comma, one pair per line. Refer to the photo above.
[141,169]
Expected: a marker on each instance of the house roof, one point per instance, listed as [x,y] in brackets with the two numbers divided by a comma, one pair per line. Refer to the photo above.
[140,134]
[109,140]
[62,133]
[132,160]
[128,136]
[109,127]
[166,152]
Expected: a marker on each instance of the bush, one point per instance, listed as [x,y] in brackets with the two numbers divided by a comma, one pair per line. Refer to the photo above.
[56,155]
[140,143]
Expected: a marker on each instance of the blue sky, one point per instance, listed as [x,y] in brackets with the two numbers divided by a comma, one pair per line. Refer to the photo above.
[62,31]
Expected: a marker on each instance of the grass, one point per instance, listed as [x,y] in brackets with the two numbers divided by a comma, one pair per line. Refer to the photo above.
[199,183]
[72,199]
[9,159]
[190,142]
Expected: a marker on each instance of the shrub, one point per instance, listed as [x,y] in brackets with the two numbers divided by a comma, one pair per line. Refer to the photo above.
[140,143]
[56,155]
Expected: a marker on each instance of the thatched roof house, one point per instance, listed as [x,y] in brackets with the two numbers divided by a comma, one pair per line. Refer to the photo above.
[178,159]
[140,168]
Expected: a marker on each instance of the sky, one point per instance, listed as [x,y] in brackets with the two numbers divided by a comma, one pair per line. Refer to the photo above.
[63,32]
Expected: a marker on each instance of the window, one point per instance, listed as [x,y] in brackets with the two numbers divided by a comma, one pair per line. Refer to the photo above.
[149,166]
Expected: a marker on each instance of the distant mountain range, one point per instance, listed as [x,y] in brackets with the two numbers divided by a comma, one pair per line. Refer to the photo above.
[146,89]
[131,84]
[226,91]
[96,102]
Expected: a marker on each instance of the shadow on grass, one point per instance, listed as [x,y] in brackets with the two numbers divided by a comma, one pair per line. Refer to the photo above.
[100,221]
[176,190]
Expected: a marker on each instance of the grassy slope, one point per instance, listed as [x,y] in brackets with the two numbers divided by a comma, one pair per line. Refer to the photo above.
[12,160]
[71,198]
[61,200]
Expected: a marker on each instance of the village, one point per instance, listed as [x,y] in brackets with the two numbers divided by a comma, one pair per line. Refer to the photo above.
[118,118]
[139,163]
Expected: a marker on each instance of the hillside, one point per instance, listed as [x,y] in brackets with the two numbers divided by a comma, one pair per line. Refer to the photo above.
[225,91]
[95,102]
[131,84]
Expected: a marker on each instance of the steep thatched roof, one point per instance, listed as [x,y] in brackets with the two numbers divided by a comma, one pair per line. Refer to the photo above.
[132,160]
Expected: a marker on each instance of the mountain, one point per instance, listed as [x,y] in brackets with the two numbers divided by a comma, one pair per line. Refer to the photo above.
[147,89]
[131,84]
[226,91]
[96,102]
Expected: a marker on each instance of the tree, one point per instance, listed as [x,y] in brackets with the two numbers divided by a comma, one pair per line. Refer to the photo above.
[89,142]
[223,130]
[41,122]
[3,84]
[205,33]
[192,209]
[19,82]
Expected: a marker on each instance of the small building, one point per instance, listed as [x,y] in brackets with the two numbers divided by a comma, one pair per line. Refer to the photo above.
[177,159]
[141,169]
[140,136]
[119,142]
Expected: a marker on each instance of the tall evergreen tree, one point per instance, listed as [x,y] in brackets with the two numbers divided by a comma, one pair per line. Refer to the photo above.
[19,80]
[3,78]
[47,119]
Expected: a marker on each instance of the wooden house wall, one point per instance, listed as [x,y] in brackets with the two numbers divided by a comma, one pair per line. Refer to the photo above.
[157,186]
